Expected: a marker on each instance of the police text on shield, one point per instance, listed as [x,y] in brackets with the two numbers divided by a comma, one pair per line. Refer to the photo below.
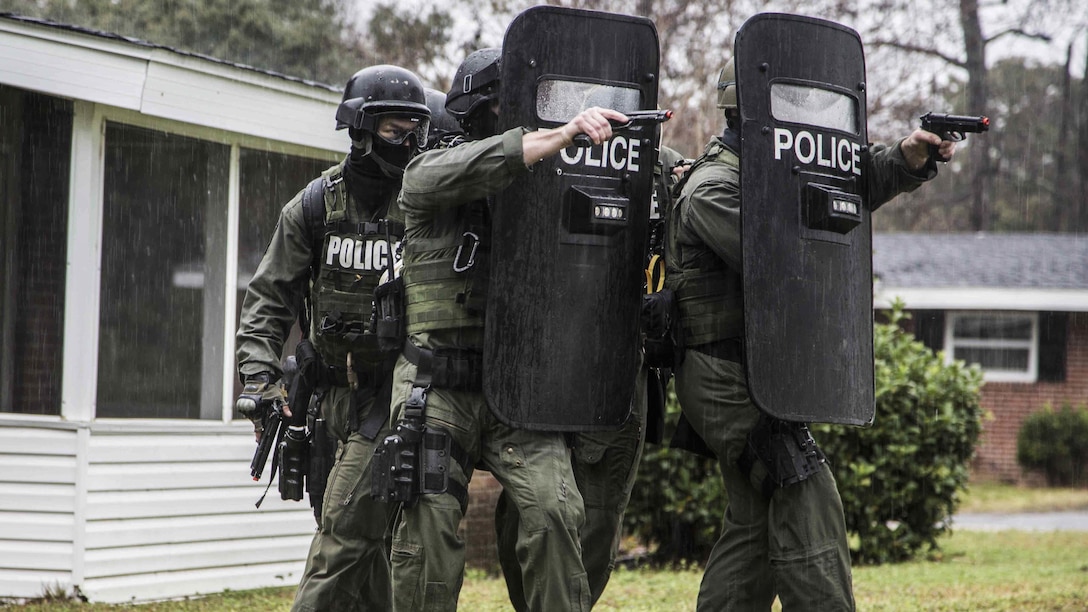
[618,153]
[823,150]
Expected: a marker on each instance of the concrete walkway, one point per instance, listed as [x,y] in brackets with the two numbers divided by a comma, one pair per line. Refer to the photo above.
[1076,520]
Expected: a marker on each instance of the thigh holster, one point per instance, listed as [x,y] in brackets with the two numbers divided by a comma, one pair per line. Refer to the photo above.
[415,459]
[778,454]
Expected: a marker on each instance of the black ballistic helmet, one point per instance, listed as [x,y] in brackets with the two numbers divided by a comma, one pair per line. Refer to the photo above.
[379,90]
[476,82]
[442,123]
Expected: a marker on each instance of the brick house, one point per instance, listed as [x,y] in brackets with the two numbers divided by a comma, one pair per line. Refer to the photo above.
[1015,303]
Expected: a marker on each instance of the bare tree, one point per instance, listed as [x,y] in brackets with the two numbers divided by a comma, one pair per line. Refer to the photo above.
[1081,194]
[1023,20]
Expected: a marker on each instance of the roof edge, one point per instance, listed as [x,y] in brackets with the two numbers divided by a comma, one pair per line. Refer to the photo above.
[982,298]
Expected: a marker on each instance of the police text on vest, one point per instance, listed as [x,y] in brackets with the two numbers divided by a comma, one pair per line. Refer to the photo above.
[358,254]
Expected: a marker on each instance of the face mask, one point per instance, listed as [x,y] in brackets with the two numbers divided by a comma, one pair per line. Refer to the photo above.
[369,153]
[483,124]
[395,155]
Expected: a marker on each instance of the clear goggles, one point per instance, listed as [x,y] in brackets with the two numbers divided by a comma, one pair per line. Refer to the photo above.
[395,128]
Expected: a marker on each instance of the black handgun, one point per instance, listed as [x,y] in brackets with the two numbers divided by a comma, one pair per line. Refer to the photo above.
[270,438]
[272,421]
[634,118]
[952,127]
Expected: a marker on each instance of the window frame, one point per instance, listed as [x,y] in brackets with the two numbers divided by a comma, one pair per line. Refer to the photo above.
[85,231]
[1030,375]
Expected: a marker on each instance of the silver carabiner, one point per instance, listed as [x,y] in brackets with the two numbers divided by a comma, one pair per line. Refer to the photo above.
[471,254]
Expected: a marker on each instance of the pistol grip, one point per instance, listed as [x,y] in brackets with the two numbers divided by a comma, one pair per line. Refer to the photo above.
[935,154]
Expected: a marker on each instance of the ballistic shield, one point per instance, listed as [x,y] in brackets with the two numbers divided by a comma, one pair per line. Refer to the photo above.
[568,241]
[805,227]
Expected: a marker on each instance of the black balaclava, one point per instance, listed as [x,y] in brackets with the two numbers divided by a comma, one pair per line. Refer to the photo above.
[731,139]
[731,134]
[374,168]
[481,124]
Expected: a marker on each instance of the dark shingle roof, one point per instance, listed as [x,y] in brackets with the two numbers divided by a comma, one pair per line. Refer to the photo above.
[1042,260]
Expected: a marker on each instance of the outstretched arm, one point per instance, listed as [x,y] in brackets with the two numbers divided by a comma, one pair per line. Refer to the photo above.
[592,122]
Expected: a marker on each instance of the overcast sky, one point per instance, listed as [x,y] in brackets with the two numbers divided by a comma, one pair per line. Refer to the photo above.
[997,17]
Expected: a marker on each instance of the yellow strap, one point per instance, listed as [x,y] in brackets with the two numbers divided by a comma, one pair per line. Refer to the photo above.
[655,274]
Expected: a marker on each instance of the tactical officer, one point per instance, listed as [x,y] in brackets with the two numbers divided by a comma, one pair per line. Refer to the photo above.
[444,127]
[332,243]
[605,464]
[438,379]
[788,541]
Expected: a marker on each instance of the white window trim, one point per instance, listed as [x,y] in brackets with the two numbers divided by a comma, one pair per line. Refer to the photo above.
[1031,375]
[85,212]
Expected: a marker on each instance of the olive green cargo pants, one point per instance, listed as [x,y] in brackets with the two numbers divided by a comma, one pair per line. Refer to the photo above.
[428,555]
[605,466]
[792,545]
[348,564]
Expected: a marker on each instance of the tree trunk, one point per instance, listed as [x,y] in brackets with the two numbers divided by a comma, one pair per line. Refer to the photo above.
[977,96]
[1067,128]
[1080,202]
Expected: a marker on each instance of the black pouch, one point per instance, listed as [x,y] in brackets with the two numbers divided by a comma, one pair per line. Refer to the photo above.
[294,463]
[322,456]
[387,318]
[301,388]
[664,336]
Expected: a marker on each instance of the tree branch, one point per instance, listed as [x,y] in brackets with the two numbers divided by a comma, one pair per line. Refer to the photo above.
[1018,32]
[917,49]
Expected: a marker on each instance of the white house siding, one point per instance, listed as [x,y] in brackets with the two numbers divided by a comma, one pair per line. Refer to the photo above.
[170,512]
[38,469]
[160,510]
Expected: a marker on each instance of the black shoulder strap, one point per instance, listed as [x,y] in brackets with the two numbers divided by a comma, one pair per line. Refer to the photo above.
[313,216]
[313,213]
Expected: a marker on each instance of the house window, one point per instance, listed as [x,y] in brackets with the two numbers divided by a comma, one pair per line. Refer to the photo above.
[268,181]
[1004,345]
[163,196]
[35,154]
[162,317]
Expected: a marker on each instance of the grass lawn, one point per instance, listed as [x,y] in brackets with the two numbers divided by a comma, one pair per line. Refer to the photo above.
[991,497]
[1004,572]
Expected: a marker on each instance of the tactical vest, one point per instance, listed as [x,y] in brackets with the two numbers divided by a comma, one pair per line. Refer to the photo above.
[446,275]
[709,293]
[353,254]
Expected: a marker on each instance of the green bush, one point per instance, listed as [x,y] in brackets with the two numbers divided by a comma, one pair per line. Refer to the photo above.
[1057,443]
[678,499]
[899,479]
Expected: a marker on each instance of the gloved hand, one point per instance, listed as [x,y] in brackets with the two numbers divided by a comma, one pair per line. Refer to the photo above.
[656,313]
[258,392]
[663,338]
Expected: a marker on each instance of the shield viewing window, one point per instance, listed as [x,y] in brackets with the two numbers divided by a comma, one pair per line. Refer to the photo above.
[559,101]
[814,106]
